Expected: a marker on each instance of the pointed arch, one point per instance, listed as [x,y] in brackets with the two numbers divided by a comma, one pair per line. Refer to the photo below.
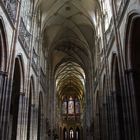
[31,104]
[16,98]
[71,134]
[3,63]
[132,18]
[3,46]
[65,134]
[77,133]
[117,95]
[22,71]
[132,57]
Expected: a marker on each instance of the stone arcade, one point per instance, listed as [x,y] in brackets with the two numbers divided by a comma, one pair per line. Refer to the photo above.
[69,69]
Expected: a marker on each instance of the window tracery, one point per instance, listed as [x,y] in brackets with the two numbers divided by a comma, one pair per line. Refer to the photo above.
[77,106]
[71,134]
[11,7]
[27,13]
[71,108]
[64,108]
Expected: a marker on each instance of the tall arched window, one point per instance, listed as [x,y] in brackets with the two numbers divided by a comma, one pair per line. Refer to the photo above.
[64,106]
[77,106]
[71,106]
[3,62]
[71,134]
[3,47]
[77,134]
[65,135]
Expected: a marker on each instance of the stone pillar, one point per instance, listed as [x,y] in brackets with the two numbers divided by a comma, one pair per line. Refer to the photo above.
[3,87]
[20,123]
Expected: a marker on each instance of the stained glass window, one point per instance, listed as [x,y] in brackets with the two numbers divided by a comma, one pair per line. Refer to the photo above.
[65,134]
[77,135]
[71,134]
[64,107]
[77,106]
[71,106]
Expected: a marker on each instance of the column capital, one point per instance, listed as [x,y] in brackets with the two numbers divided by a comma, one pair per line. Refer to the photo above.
[22,93]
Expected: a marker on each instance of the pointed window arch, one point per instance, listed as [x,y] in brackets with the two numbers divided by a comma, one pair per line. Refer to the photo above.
[64,106]
[77,133]
[65,134]
[77,106]
[71,134]
[71,106]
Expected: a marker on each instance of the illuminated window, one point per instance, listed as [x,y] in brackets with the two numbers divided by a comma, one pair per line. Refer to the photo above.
[64,107]
[71,106]
[65,134]
[77,106]
[77,135]
[71,134]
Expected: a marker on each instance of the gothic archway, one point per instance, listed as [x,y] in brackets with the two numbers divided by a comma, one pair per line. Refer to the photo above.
[3,63]
[118,102]
[71,134]
[132,57]
[77,134]
[3,47]
[65,134]
[16,98]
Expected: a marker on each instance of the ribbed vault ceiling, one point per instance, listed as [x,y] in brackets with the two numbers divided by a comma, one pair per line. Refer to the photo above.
[68,19]
[69,32]
[70,75]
